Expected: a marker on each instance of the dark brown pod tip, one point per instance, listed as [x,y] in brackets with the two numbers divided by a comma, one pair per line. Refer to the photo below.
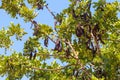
[46,42]
[35,54]
[30,56]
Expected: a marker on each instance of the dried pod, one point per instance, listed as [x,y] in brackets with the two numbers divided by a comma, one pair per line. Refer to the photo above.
[34,22]
[46,42]
[85,16]
[36,31]
[58,46]
[35,28]
[89,5]
[30,55]
[34,54]
[79,31]
[60,49]
[67,52]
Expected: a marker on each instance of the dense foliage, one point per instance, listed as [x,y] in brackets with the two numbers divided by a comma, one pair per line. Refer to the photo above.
[86,37]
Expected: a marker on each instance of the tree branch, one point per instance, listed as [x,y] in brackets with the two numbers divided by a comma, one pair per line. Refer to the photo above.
[51,39]
[73,50]
[50,11]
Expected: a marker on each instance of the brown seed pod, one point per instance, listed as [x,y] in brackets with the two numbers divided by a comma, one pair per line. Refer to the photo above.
[30,55]
[60,49]
[35,54]
[46,42]
[79,31]
[95,29]
[67,52]
[34,22]
[36,28]
[58,46]
[85,16]
[89,5]
[35,33]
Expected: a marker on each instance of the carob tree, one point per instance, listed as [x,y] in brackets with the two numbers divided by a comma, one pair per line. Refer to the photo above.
[86,37]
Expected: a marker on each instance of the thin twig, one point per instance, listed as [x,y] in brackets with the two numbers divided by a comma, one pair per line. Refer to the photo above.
[51,39]
[50,12]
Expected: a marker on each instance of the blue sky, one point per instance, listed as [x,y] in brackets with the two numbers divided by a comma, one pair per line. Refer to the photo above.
[44,17]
